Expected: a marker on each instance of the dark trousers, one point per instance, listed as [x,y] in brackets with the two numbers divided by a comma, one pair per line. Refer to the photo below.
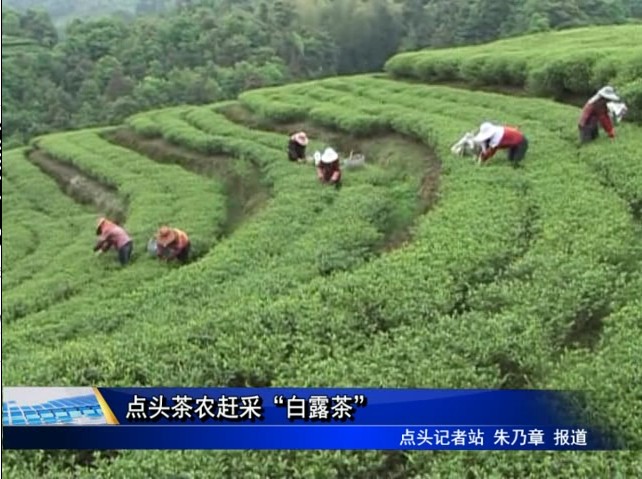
[125,253]
[183,256]
[588,132]
[518,152]
[296,152]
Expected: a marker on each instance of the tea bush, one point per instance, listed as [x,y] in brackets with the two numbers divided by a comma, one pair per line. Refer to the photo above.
[556,64]
[515,278]
[39,208]
[613,162]
[168,195]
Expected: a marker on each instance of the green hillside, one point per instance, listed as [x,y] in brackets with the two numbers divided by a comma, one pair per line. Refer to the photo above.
[557,64]
[12,46]
[423,271]
[63,12]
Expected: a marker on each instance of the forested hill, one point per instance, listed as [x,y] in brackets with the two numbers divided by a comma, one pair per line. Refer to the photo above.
[143,54]
[64,11]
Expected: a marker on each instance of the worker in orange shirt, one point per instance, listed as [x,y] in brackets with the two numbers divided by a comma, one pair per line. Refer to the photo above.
[495,137]
[110,235]
[172,243]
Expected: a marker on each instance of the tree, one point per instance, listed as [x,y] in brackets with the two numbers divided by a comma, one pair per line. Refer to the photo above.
[385,35]
[206,50]
[413,23]
[36,24]
[11,23]
[604,12]
[118,85]
[486,23]
[634,8]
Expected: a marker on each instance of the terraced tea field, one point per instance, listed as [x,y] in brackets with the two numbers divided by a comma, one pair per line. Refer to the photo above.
[423,271]
[568,65]
[12,46]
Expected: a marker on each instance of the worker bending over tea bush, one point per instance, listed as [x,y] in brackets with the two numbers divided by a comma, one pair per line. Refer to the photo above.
[596,111]
[329,168]
[110,235]
[296,146]
[495,137]
[172,243]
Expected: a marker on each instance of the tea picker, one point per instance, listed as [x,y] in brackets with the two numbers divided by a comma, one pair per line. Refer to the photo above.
[110,235]
[497,137]
[296,146]
[354,161]
[596,112]
[328,167]
[169,244]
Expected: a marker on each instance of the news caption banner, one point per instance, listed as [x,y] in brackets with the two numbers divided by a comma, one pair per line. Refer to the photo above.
[298,418]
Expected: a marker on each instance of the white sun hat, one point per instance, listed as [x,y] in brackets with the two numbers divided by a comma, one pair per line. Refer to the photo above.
[486,131]
[608,93]
[329,156]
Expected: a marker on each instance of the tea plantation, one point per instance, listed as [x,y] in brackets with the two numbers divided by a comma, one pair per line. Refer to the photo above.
[425,270]
[558,64]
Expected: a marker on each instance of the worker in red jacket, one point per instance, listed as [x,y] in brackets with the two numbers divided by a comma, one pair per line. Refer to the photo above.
[495,137]
[596,111]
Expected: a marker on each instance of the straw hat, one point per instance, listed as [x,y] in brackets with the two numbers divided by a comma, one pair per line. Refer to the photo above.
[165,235]
[301,138]
[329,156]
[101,223]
